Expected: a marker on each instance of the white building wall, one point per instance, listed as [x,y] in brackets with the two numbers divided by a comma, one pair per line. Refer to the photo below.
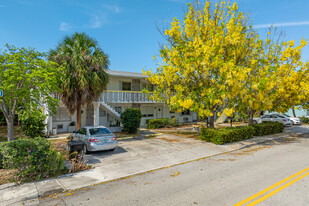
[151,110]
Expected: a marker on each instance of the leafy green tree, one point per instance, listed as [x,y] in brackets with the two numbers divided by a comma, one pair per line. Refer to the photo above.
[84,76]
[26,79]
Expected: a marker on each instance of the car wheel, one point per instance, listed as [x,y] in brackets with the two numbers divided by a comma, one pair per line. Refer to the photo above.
[85,150]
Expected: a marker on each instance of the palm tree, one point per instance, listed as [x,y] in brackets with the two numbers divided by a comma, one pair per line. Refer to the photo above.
[84,76]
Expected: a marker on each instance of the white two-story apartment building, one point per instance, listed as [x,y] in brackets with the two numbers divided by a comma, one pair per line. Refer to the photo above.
[124,90]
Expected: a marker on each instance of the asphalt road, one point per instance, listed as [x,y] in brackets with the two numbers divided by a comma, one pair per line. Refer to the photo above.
[221,180]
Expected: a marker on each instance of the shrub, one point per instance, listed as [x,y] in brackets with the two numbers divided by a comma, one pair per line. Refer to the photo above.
[131,120]
[226,135]
[267,128]
[33,159]
[73,123]
[173,122]
[33,123]
[305,120]
[158,123]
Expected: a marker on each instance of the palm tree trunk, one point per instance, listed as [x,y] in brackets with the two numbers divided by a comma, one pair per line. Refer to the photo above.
[78,116]
[293,110]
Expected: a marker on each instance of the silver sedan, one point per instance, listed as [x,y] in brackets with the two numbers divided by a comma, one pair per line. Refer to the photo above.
[96,138]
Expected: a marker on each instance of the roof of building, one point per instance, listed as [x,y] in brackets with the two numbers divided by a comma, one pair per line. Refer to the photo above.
[125,74]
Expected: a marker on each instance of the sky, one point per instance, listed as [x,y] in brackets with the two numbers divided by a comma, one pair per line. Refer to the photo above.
[127,29]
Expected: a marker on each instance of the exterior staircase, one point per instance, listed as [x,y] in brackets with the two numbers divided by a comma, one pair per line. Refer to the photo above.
[111,110]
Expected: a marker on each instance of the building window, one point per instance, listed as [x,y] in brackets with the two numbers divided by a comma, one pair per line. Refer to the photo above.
[62,115]
[186,112]
[126,86]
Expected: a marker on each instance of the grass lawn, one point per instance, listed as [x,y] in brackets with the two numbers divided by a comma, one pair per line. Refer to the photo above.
[194,135]
[18,133]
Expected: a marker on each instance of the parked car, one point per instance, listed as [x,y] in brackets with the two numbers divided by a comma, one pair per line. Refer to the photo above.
[96,138]
[273,118]
[295,120]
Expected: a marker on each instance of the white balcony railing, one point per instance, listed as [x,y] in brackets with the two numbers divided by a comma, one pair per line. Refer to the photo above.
[113,96]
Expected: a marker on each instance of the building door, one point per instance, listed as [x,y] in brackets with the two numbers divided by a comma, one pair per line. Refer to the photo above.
[159,112]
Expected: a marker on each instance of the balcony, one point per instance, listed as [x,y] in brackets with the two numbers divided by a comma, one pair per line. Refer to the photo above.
[114,96]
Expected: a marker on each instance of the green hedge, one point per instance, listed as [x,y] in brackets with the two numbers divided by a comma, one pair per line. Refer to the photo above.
[267,128]
[32,159]
[158,123]
[226,135]
[305,120]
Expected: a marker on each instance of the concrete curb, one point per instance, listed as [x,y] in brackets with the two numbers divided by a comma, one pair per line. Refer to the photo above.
[13,194]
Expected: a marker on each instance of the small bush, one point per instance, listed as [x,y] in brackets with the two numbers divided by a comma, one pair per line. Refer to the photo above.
[33,123]
[267,128]
[33,159]
[158,123]
[305,120]
[173,122]
[131,120]
[226,135]
[73,123]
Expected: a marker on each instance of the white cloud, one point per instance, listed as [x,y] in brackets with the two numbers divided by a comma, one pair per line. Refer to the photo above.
[96,21]
[300,23]
[65,27]
[112,7]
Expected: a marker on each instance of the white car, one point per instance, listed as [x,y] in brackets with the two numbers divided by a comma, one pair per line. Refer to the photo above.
[295,120]
[273,118]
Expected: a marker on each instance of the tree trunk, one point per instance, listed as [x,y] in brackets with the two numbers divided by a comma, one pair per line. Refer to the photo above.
[10,125]
[251,114]
[293,110]
[231,121]
[212,122]
[78,116]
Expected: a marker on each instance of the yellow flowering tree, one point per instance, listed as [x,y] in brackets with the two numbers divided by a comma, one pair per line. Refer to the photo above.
[276,79]
[203,65]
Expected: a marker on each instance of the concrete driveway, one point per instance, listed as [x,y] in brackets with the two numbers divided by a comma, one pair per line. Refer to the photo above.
[143,148]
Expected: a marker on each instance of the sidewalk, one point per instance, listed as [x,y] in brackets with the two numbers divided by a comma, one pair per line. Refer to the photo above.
[29,193]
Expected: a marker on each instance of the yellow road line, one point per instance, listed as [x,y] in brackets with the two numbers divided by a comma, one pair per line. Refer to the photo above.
[271,187]
[278,189]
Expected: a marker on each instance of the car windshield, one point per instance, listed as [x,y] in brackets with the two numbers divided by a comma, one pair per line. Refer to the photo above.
[99,131]
[287,115]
